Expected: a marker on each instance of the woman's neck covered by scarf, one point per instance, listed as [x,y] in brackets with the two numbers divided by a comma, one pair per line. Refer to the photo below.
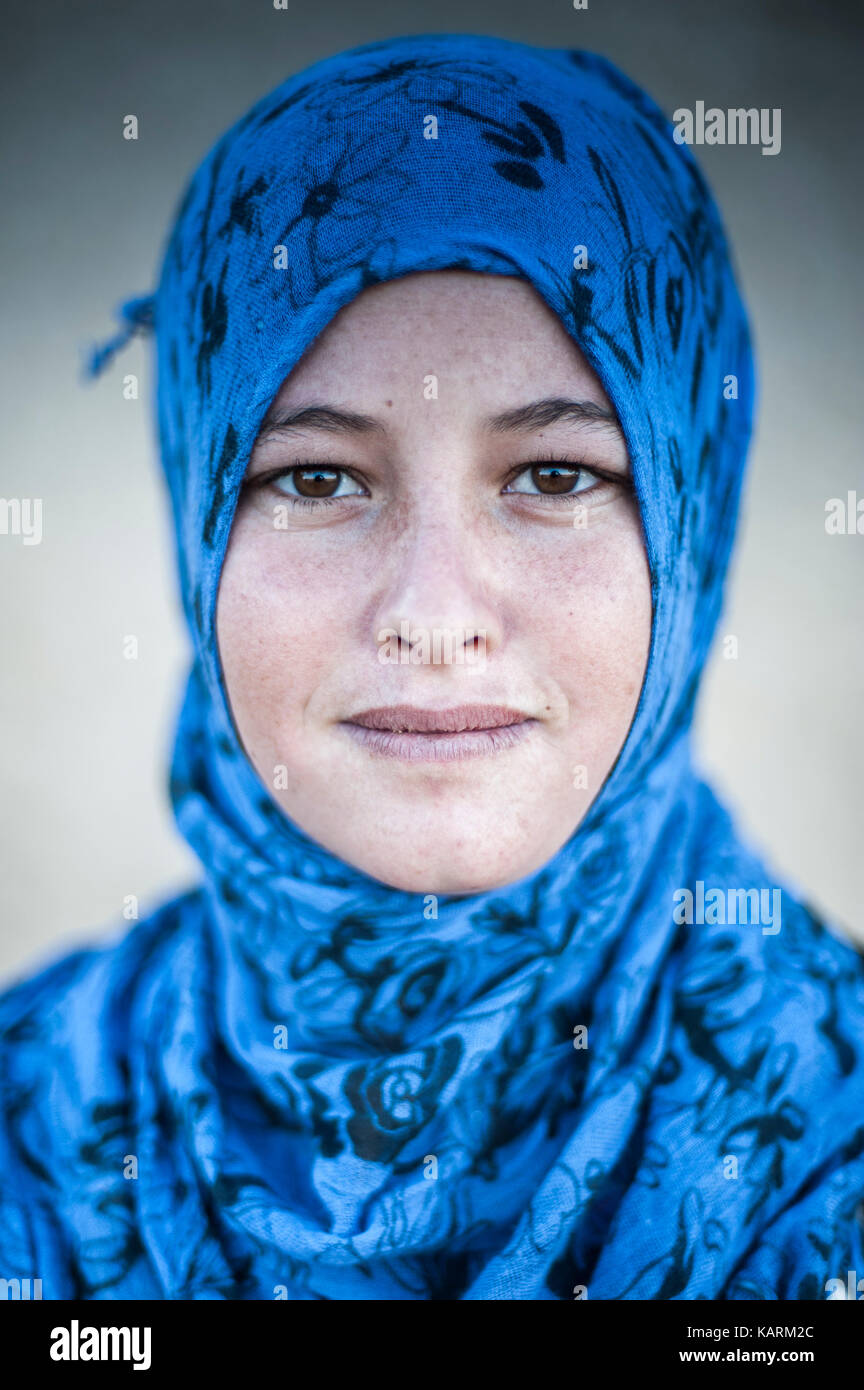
[343,1090]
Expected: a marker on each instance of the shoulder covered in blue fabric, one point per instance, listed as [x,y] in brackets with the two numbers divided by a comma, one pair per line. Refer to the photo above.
[34,1005]
[66,1035]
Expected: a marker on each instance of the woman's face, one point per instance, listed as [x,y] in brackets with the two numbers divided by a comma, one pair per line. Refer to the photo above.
[435,611]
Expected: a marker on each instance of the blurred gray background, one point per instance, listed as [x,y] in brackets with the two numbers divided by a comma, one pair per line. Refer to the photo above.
[87,734]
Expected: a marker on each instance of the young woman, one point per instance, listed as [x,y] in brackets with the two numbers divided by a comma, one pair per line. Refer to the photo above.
[480,997]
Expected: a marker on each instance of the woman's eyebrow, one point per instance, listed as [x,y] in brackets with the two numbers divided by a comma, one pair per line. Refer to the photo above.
[538,414]
[534,415]
[319,417]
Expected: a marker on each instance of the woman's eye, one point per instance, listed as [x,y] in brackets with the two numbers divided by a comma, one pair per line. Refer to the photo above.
[317,482]
[310,483]
[553,480]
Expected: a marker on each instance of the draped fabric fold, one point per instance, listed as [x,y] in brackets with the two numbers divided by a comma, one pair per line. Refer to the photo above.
[295,1081]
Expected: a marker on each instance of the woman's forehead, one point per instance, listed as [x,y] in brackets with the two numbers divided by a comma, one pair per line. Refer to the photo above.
[465,338]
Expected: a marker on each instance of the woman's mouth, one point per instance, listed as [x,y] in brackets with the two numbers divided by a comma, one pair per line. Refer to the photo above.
[442,735]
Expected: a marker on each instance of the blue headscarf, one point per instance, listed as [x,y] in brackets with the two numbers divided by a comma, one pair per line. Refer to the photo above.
[296,1081]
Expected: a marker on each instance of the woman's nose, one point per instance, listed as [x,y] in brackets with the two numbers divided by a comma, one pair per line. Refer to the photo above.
[437,604]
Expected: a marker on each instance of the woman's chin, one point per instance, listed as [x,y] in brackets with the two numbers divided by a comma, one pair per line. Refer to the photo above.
[442,867]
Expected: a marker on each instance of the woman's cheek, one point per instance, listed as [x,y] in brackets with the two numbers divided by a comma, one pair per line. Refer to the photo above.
[288,615]
[599,629]
[281,583]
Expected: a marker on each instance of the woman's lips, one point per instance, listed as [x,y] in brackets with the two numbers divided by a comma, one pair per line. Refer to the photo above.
[443,735]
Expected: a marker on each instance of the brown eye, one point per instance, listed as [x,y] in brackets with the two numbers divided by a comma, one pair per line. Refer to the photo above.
[554,478]
[316,482]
